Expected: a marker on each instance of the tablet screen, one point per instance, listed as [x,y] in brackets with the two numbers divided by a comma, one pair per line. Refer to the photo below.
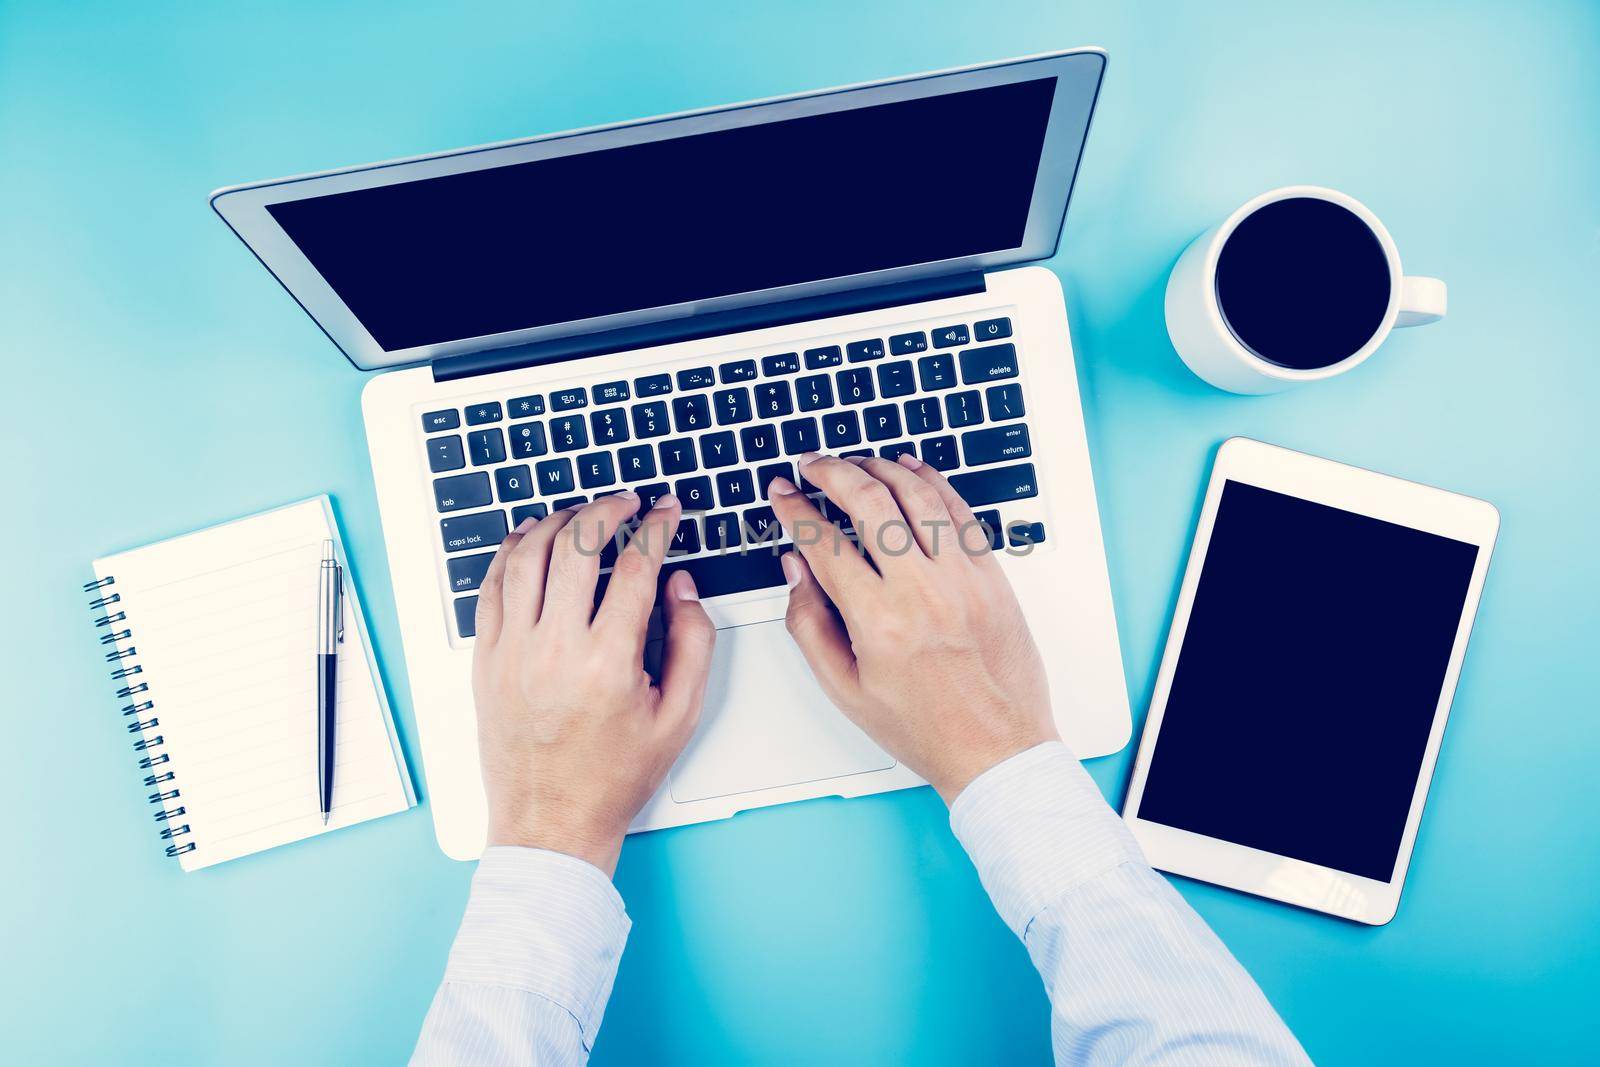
[1308,680]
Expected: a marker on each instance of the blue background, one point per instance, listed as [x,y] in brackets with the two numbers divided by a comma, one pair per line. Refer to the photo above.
[155,379]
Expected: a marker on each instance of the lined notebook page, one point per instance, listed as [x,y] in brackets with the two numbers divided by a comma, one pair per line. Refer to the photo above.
[223,624]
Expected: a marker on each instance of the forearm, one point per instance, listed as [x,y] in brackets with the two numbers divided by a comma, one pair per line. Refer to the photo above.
[532,965]
[1133,974]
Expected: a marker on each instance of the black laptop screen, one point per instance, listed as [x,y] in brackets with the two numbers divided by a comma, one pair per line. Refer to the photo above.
[692,218]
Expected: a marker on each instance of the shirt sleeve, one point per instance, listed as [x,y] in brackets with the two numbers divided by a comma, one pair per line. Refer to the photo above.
[532,965]
[1133,974]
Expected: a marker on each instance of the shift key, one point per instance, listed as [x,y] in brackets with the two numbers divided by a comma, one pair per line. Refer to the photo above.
[485,529]
[996,485]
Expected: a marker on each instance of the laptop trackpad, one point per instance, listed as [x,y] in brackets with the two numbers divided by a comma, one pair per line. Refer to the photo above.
[766,723]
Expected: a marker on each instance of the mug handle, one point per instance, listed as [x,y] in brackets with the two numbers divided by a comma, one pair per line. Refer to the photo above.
[1422,300]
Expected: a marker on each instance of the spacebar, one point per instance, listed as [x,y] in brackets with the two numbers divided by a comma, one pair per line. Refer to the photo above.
[736,572]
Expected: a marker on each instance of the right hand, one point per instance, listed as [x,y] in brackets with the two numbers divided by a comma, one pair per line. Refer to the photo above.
[929,653]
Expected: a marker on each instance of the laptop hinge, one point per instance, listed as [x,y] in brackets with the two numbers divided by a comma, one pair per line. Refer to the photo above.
[713,324]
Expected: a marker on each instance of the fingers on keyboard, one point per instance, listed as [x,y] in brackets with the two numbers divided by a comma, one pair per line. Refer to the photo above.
[948,396]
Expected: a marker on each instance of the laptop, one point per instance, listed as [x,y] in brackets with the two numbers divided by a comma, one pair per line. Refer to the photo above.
[687,304]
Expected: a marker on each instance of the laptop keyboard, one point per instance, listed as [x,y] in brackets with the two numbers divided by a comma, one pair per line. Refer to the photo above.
[716,434]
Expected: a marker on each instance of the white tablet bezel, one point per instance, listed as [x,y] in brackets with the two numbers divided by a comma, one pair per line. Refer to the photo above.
[1365,492]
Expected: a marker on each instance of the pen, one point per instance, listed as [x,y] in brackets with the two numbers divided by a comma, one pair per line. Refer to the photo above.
[330,632]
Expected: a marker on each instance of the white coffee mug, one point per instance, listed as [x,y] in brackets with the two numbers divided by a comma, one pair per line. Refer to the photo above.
[1203,338]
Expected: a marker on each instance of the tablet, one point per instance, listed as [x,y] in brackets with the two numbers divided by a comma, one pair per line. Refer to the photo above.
[1306,681]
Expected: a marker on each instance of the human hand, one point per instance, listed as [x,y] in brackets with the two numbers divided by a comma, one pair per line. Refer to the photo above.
[573,736]
[929,653]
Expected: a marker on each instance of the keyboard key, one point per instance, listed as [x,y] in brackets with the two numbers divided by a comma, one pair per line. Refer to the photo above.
[513,483]
[895,451]
[637,462]
[1005,402]
[855,386]
[691,413]
[773,400]
[718,450]
[554,476]
[568,502]
[569,433]
[650,420]
[769,471]
[995,485]
[486,446]
[800,435]
[462,491]
[567,399]
[937,372]
[964,408]
[466,572]
[991,329]
[694,493]
[995,444]
[922,415]
[759,442]
[445,454]
[722,532]
[950,336]
[786,363]
[696,378]
[902,344]
[833,512]
[814,391]
[733,406]
[434,421]
[732,572]
[841,428]
[939,453]
[649,494]
[610,426]
[818,358]
[478,414]
[484,529]
[677,457]
[527,440]
[652,385]
[467,615]
[524,407]
[685,539]
[527,511]
[595,470]
[760,524]
[896,379]
[861,351]
[1024,534]
[735,488]
[611,393]
[988,364]
[743,370]
[882,422]
[990,521]
[864,453]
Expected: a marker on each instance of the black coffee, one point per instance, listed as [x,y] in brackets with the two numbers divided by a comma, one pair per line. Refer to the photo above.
[1303,283]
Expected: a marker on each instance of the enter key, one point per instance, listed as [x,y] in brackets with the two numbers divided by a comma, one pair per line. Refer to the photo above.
[995,444]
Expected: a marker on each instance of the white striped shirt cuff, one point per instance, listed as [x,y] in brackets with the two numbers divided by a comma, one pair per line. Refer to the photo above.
[546,923]
[1036,826]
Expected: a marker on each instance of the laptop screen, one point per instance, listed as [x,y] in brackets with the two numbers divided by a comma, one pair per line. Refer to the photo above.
[680,220]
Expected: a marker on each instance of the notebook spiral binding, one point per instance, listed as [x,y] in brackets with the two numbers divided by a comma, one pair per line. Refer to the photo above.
[140,710]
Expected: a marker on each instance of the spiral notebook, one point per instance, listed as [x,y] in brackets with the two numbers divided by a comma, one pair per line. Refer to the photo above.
[211,642]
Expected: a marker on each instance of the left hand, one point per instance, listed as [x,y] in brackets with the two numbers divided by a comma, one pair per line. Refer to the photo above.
[573,736]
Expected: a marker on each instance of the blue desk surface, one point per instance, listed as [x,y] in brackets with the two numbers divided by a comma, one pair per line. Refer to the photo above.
[155,379]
